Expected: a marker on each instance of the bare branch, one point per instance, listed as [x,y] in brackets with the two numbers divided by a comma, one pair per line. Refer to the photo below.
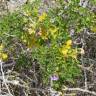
[81,90]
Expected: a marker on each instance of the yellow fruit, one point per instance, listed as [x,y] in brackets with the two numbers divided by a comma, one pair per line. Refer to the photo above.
[67,47]
[64,52]
[69,42]
[4,56]
[42,17]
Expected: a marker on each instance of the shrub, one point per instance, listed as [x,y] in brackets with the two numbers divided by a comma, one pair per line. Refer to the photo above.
[47,36]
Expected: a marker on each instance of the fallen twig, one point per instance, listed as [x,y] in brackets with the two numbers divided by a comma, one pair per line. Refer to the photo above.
[79,89]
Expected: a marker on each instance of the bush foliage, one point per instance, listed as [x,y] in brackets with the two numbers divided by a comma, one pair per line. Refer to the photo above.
[44,35]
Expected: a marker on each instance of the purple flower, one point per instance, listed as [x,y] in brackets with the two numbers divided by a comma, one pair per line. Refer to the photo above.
[54,77]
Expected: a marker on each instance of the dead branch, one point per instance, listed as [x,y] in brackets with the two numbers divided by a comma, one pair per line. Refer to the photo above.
[81,90]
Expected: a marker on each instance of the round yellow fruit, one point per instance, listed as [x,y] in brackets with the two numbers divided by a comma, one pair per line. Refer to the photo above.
[69,42]
[4,56]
